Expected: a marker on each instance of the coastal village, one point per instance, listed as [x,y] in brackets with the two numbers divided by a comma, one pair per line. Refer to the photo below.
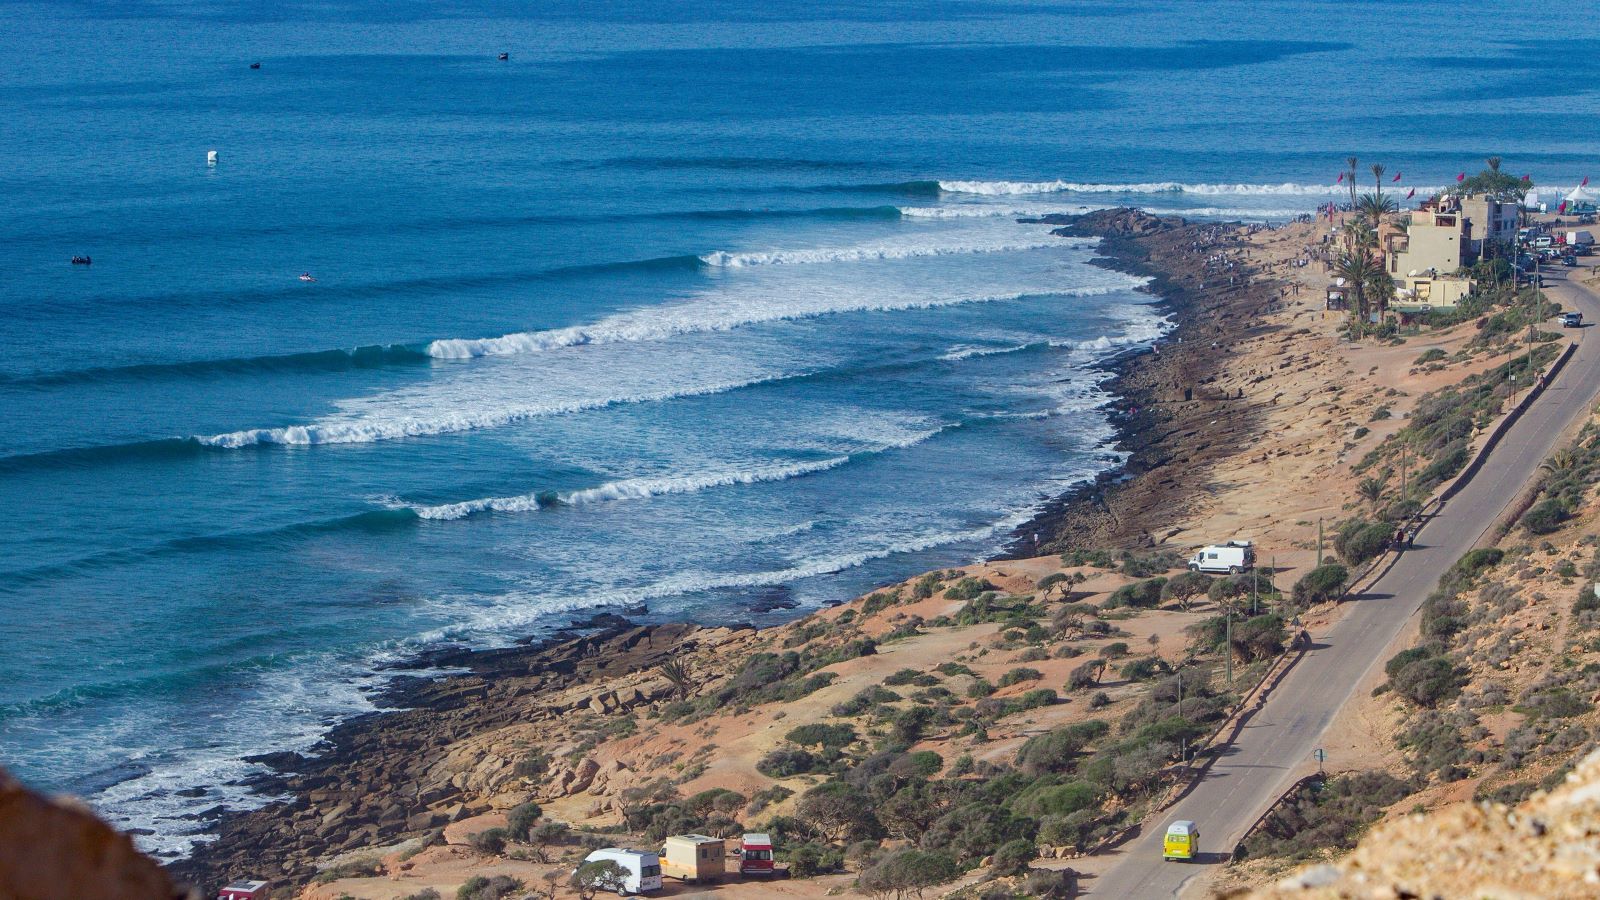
[1331,393]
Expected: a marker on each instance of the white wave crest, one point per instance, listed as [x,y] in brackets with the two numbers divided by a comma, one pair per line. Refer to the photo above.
[366,430]
[629,489]
[735,260]
[1009,188]
[986,212]
[660,323]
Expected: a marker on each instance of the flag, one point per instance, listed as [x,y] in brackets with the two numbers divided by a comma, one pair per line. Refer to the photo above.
[1340,179]
[1412,194]
[1461,177]
[1526,178]
[1562,208]
[1585,181]
[1397,176]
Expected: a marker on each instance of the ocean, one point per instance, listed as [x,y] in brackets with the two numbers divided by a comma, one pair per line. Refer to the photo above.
[718,311]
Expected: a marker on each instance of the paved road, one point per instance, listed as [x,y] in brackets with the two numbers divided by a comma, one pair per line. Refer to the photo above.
[1273,748]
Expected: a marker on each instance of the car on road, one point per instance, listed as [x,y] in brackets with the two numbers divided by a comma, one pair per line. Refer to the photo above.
[1572,320]
[1182,841]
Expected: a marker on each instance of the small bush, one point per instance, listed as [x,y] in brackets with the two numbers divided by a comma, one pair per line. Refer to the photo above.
[492,841]
[520,820]
[1321,584]
[1013,857]
[1019,675]
[1429,680]
[481,888]
[782,763]
[1545,517]
[908,872]
[821,735]
[1141,594]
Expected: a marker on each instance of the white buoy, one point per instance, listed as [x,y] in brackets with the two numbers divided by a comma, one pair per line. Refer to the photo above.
[211,157]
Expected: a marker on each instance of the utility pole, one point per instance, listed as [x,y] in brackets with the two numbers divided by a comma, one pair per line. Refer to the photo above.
[1319,542]
[1180,691]
[1229,648]
[1403,449]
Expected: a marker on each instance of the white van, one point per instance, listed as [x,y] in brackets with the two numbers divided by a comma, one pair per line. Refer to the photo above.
[643,869]
[1230,558]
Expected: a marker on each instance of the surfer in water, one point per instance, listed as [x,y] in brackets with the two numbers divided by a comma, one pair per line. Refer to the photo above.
[306,276]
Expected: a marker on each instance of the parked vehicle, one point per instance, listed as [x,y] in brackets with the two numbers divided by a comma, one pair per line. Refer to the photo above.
[643,869]
[1580,239]
[1233,557]
[755,855]
[694,857]
[1543,240]
[1569,261]
[1572,320]
[244,889]
[1182,841]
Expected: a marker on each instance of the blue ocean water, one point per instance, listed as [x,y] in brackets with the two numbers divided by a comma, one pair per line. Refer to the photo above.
[697,307]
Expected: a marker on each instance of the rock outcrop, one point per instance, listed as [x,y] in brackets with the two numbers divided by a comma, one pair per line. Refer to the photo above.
[51,849]
[1548,846]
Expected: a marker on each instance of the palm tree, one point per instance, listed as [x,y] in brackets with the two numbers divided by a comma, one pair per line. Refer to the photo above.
[1357,268]
[1494,163]
[1371,490]
[1375,206]
[1377,177]
[1351,162]
[676,672]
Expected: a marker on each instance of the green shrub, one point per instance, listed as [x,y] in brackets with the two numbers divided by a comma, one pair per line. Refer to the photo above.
[1321,584]
[810,860]
[1019,675]
[1329,816]
[980,689]
[520,820]
[1140,594]
[1545,517]
[1428,681]
[1057,750]
[967,589]
[1145,668]
[1013,857]
[1100,559]
[481,888]
[782,763]
[1143,566]
[818,734]
[908,872]
[1057,799]
[491,841]
[1359,540]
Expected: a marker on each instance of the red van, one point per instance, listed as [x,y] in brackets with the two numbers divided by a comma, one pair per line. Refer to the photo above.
[755,855]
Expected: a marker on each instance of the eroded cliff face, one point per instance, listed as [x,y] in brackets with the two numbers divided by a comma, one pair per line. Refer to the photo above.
[55,849]
[1548,846]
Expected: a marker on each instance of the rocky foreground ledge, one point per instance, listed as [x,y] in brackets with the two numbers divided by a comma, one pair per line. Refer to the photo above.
[382,776]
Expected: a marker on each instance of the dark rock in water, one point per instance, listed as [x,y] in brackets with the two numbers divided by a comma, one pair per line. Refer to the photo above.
[140,832]
[283,761]
[437,657]
[777,597]
[603,620]
[638,609]
[208,815]
[191,792]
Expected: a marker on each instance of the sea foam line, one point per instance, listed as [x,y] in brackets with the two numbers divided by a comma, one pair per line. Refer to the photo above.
[360,431]
[1009,188]
[734,260]
[627,489]
[654,324]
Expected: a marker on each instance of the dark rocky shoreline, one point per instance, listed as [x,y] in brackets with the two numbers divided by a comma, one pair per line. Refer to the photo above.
[377,771]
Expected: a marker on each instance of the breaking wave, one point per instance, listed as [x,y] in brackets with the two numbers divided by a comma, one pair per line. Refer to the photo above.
[656,323]
[1010,188]
[733,260]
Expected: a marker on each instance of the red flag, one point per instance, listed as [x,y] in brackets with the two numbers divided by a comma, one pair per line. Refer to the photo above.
[1397,176]
[1585,180]
[1461,177]
[1526,178]
[1340,179]
[1562,208]
[1412,194]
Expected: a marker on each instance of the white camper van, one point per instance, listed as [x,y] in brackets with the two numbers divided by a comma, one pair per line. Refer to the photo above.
[1230,558]
[643,869]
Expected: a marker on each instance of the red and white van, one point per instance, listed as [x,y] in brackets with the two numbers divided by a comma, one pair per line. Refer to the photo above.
[755,855]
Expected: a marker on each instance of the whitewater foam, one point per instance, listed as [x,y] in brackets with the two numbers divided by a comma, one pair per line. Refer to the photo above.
[367,430]
[628,489]
[661,323]
[1010,188]
[734,260]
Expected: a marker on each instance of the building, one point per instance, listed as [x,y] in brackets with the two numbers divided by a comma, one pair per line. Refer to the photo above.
[244,890]
[1438,242]
[1423,292]
[1488,219]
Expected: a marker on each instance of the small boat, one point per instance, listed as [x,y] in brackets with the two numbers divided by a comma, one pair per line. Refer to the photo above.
[306,276]
[504,57]
[255,65]
[82,261]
